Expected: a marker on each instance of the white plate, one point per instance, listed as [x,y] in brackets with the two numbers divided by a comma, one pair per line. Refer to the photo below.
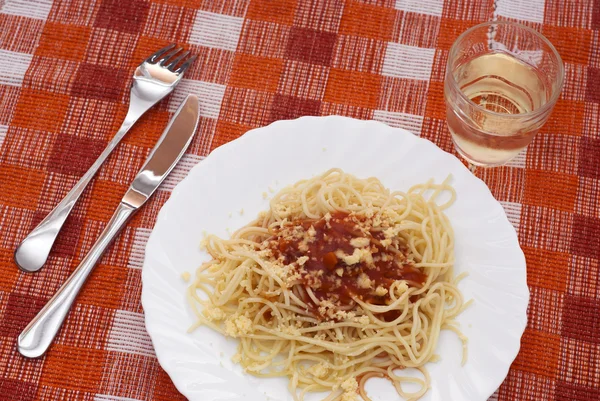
[235,176]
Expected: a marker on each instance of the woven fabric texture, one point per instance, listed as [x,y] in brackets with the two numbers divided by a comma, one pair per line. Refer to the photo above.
[65,71]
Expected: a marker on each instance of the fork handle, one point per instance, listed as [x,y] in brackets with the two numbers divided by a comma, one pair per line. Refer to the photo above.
[40,332]
[33,251]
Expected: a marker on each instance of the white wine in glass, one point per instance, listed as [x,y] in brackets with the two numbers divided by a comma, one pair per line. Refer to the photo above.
[502,81]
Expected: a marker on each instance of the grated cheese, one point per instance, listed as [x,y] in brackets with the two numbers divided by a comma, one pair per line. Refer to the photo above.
[359,242]
[350,386]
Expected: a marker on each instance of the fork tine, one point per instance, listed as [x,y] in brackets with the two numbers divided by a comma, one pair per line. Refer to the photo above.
[177,59]
[186,65]
[152,58]
[168,56]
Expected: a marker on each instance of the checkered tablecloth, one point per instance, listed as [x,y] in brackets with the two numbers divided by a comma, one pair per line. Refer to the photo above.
[65,69]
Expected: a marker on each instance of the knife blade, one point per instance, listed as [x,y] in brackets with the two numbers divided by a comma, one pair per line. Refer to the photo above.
[40,332]
[165,154]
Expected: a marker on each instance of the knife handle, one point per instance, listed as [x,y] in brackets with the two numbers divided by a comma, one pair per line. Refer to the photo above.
[40,332]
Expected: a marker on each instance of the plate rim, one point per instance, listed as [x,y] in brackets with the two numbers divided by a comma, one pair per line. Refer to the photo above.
[180,386]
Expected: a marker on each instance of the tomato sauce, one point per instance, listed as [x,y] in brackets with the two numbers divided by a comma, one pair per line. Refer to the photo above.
[329,277]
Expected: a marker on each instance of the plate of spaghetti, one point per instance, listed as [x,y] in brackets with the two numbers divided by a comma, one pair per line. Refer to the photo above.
[328,258]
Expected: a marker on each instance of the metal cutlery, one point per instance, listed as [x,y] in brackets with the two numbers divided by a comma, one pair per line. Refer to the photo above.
[40,332]
[153,79]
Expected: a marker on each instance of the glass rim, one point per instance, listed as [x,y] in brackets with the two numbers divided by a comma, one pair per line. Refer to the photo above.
[561,70]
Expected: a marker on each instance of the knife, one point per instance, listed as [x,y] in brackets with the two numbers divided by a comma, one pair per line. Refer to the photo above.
[40,332]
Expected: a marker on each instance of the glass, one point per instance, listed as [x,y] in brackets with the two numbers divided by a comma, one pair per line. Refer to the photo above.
[502,81]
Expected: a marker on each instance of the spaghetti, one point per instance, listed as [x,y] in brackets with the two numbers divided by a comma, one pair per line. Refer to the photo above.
[339,281]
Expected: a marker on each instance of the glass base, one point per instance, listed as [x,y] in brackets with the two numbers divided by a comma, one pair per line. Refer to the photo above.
[473,162]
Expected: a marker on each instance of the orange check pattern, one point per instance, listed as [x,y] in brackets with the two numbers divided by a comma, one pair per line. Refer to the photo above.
[65,68]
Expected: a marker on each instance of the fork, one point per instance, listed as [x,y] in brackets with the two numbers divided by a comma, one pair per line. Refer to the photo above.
[153,79]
